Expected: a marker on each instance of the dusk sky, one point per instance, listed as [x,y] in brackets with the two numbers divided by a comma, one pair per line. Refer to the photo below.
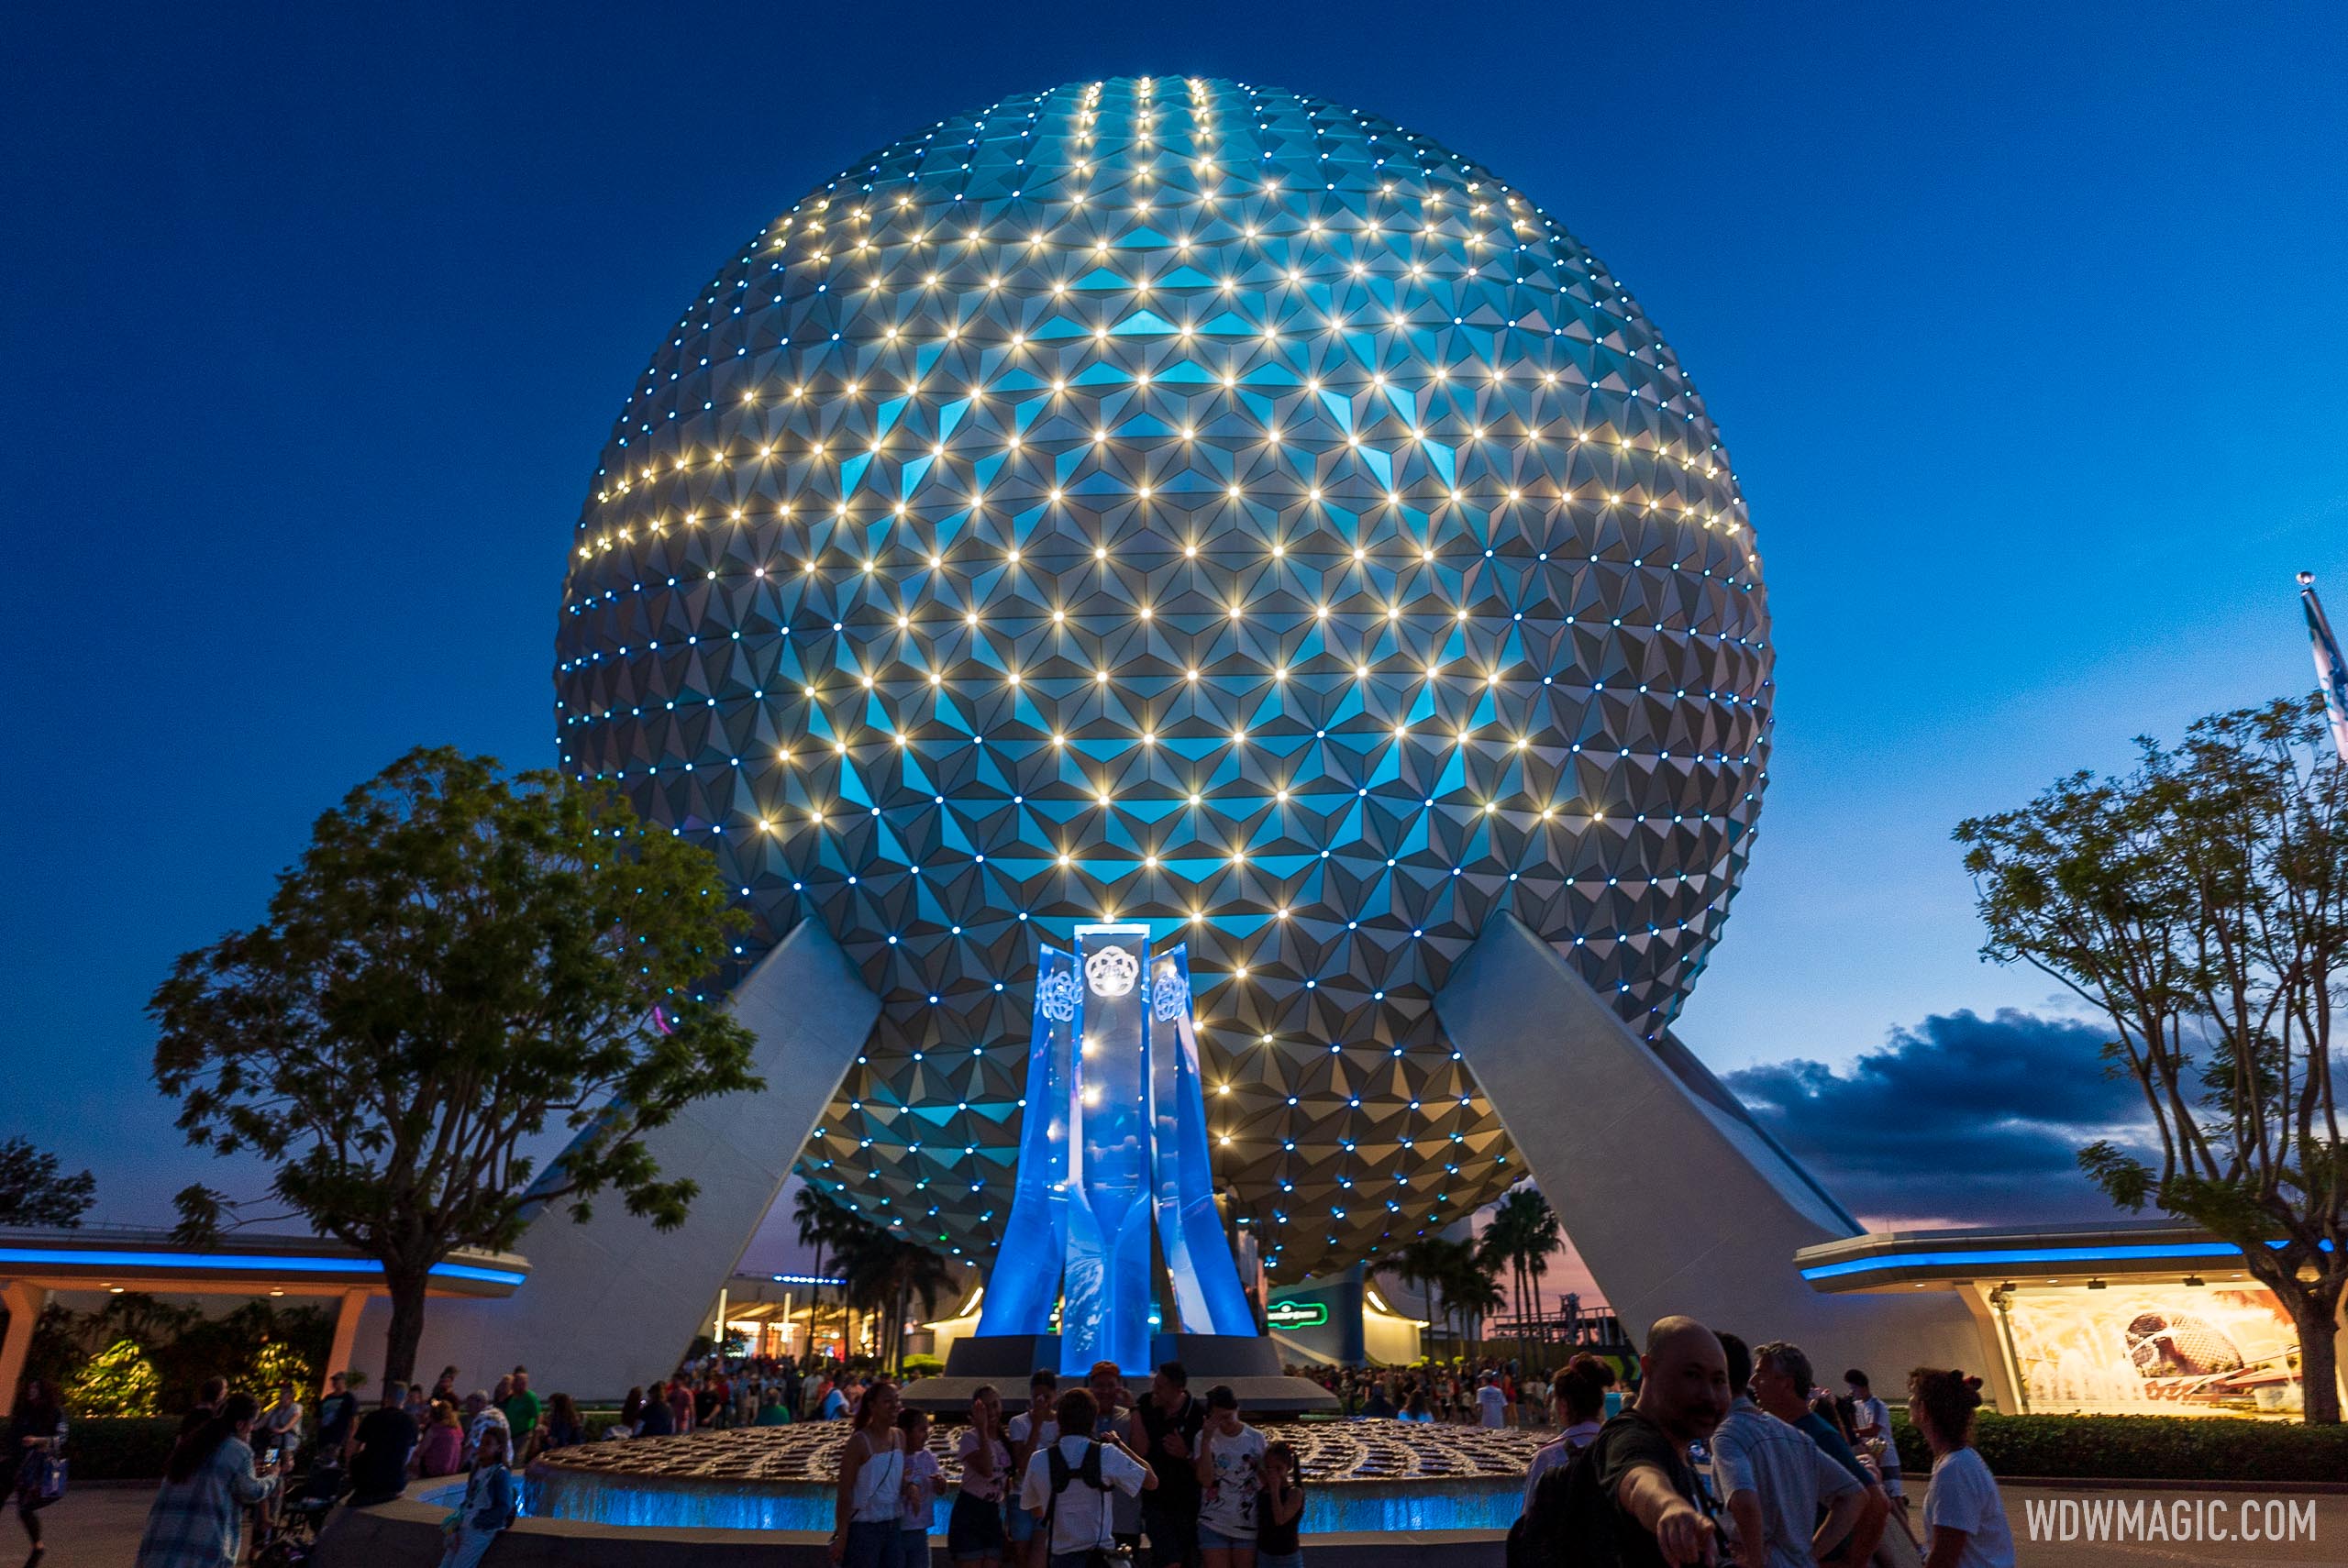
[2023,325]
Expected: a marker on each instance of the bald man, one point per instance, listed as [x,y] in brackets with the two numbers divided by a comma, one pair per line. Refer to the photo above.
[1661,1515]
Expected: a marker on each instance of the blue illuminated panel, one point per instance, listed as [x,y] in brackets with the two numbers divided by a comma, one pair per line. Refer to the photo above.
[1992,1257]
[236,1263]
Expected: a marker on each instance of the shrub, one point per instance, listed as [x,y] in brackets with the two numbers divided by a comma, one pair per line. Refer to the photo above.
[130,1448]
[2146,1448]
[118,1381]
[919,1366]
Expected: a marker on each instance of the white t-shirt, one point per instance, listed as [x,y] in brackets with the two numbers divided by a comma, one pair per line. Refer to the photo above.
[1963,1495]
[988,1490]
[924,1475]
[1874,1412]
[1229,1507]
[1022,1423]
[1493,1403]
[1083,1520]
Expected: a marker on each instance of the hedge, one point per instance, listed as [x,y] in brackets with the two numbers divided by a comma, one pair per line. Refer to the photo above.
[119,1448]
[134,1448]
[2144,1448]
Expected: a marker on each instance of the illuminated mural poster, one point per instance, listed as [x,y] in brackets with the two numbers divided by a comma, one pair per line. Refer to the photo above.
[2165,1348]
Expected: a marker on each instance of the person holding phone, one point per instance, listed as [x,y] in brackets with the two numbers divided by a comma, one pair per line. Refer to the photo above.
[1031,1432]
[1231,1480]
[197,1520]
[974,1534]
[278,1433]
[1280,1510]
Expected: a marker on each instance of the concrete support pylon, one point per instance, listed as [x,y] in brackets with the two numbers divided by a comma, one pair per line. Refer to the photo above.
[1674,1198]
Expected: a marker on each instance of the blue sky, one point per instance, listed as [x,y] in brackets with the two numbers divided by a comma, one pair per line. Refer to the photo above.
[2023,325]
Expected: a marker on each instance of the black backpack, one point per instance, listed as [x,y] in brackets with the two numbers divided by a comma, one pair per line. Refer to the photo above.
[1088,1470]
[1570,1521]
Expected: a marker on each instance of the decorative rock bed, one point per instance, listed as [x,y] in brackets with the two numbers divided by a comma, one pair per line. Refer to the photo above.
[1360,1476]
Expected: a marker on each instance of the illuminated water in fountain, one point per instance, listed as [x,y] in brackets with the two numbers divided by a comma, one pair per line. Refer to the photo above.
[1360,1476]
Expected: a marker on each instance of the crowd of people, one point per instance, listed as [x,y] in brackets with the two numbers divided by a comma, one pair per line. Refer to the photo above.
[1699,1449]
[1729,1452]
[1081,1475]
[227,1480]
[1489,1392]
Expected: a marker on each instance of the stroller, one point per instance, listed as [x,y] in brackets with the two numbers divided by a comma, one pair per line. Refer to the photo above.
[292,1535]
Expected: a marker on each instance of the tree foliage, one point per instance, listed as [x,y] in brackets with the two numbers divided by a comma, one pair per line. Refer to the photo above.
[1520,1237]
[885,1272]
[33,1193]
[118,1381]
[1458,1280]
[2201,903]
[458,961]
[252,1346]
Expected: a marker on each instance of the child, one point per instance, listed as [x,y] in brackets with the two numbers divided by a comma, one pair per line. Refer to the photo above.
[1230,1473]
[1280,1510]
[491,1503]
[923,1483]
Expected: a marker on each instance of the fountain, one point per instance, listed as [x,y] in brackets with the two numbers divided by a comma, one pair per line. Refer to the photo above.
[1114,1252]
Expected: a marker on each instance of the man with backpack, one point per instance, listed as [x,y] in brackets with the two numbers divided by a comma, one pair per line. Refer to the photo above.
[1069,1483]
[1632,1499]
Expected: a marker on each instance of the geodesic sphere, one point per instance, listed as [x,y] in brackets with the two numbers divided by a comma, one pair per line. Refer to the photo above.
[1180,501]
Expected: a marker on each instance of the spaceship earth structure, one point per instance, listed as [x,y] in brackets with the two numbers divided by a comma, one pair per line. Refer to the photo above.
[1176,499]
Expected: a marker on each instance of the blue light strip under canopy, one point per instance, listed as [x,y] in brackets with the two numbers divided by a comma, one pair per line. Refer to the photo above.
[238,1262]
[2074,1258]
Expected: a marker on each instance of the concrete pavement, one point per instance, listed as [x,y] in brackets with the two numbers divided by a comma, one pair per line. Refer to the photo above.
[98,1527]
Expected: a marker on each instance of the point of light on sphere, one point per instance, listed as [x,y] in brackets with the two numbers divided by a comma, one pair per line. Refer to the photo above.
[1173,499]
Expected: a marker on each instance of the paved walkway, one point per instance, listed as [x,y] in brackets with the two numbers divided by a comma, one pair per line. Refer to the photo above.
[2197,1517]
[97,1527]
[90,1527]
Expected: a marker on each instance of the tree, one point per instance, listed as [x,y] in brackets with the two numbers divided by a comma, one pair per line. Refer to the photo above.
[1520,1236]
[32,1193]
[1415,1264]
[117,1381]
[885,1273]
[822,1223]
[2201,903]
[458,959]
[1450,1275]
[1471,1287]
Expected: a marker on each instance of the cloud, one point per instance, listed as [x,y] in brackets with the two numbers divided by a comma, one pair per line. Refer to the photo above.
[1961,1119]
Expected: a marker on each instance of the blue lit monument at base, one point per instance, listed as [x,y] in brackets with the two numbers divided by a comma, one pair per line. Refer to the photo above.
[1116,1137]
[1114,1181]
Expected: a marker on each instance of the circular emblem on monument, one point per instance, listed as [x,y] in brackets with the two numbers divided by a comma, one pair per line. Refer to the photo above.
[1056,996]
[1169,998]
[1112,972]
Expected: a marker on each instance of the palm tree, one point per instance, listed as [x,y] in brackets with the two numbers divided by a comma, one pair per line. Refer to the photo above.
[918,1272]
[1414,1265]
[1498,1248]
[823,1223]
[1520,1236]
[1471,1285]
[885,1273]
[1447,1266]
[1543,1234]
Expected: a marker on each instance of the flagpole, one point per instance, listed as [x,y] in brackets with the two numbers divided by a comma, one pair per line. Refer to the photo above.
[2331,668]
